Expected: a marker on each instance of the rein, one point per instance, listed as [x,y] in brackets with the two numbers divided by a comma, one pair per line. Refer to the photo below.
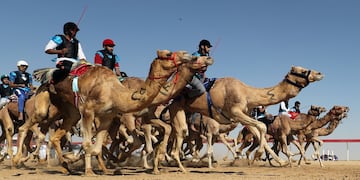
[299,75]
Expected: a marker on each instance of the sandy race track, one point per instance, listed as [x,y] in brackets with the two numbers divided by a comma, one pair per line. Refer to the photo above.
[223,170]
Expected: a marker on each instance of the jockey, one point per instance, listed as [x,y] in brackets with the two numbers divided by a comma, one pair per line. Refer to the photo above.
[295,110]
[106,57]
[283,108]
[5,90]
[21,81]
[197,83]
[260,113]
[68,50]
[198,79]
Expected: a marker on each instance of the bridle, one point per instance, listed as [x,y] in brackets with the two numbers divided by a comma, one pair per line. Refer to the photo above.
[305,76]
[171,58]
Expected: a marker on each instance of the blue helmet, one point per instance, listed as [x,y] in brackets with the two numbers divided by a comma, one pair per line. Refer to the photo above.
[4,76]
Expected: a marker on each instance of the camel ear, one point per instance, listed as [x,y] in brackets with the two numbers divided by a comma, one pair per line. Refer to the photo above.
[162,54]
[194,58]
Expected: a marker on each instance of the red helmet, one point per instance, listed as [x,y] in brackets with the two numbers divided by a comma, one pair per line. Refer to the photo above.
[108,42]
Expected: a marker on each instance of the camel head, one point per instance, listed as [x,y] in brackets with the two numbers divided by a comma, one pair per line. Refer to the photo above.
[316,110]
[301,77]
[166,63]
[200,62]
[339,112]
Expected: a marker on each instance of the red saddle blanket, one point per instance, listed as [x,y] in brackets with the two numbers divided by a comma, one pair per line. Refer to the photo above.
[78,71]
[293,115]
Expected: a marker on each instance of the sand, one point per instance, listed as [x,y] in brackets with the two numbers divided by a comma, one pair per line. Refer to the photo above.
[226,170]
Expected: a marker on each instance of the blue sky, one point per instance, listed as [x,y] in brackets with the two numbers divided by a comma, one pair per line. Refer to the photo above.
[255,41]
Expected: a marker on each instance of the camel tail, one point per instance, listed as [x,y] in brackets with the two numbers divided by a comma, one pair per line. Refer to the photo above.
[43,75]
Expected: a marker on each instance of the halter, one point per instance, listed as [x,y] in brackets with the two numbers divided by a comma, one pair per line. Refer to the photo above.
[333,113]
[171,58]
[306,76]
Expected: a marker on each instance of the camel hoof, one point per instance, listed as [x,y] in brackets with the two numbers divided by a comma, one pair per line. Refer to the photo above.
[195,160]
[130,140]
[156,172]
[66,168]
[89,172]
[284,163]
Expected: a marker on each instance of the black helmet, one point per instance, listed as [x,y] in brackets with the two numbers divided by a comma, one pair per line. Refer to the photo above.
[297,102]
[70,26]
[205,42]
[4,76]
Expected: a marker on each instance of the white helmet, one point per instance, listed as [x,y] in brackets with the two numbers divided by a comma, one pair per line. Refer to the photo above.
[22,63]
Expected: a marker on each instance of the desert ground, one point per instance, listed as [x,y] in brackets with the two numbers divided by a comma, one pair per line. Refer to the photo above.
[226,170]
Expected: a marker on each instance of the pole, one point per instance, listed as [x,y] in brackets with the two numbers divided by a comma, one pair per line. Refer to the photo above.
[215,46]
[82,15]
[347,152]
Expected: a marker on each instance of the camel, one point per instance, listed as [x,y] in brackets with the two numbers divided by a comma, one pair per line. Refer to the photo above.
[149,115]
[247,138]
[312,135]
[10,124]
[209,130]
[231,100]
[283,126]
[336,113]
[100,97]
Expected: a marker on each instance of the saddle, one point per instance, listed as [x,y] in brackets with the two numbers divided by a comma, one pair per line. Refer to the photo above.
[293,115]
[79,70]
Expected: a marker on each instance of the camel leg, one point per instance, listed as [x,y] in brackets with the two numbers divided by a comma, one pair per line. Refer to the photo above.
[242,147]
[254,144]
[181,131]
[285,149]
[122,131]
[42,103]
[148,145]
[86,127]
[301,150]
[2,139]
[97,150]
[55,141]
[259,130]
[223,139]
[48,151]
[40,138]
[317,149]
[167,131]
[244,137]
[8,126]
[209,149]
[127,123]
[266,146]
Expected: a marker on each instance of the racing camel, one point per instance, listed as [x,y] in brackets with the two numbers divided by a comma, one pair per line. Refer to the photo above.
[169,90]
[312,135]
[100,97]
[231,100]
[247,138]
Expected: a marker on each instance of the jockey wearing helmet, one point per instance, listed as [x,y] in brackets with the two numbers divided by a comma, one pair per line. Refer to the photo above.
[68,50]
[21,81]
